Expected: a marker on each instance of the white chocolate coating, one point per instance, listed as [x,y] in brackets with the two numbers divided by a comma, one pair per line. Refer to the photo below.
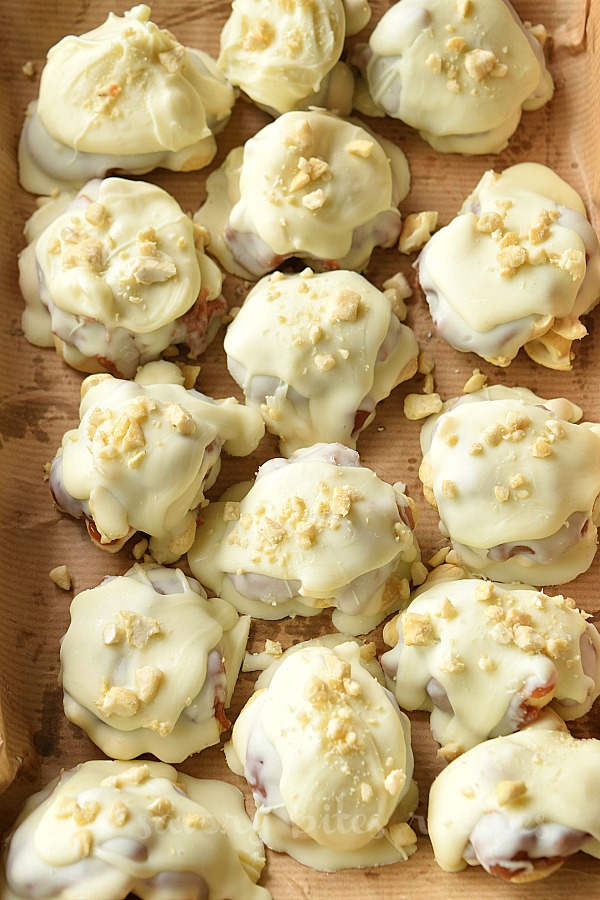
[484,658]
[135,436]
[284,55]
[315,531]
[561,777]
[309,185]
[327,754]
[126,95]
[517,267]
[515,484]
[106,828]
[459,72]
[316,353]
[112,289]
[147,673]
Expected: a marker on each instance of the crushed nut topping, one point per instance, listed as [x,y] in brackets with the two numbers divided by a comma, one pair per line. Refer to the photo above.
[447,609]
[119,814]
[434,62]
[86,254]
[509,792]
[394,781]
[135,775]
[231,511]
[342,500]
[118,701]
[417,228]
[484,590]
[489,222]
[486,664]
[419,406]
[83,841]
[147,682]
[314,200]
[480,63]
[302,136]
[502,493]
[180,418]
[456,44]
[61,577]
[325,362]
[147,270]
[540,448]
[452,665]
[260,37]
[526,638]
[449,489]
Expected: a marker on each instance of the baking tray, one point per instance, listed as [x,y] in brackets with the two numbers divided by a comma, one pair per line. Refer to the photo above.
[39,399]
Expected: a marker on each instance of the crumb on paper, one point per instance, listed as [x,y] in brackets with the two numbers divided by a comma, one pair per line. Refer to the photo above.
[61,577]
[140,548]
[419,406]
[476,382]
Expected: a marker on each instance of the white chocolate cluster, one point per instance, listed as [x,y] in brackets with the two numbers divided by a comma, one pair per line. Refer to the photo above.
[318,530]
[484,659]
[518,267]
[127,96]
[518,805]
[516,484]
[111,291]
[459,71]
[327,754]
[309,185]
[286,55]
[316,353]
[108,829]
[143,455]
[148,664]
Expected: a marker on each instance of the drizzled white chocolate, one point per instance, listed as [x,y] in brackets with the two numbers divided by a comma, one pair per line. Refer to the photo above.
[516,268]
[111,290]
[327,754]
[535,782]
[285,55]
[126,95]
[484,659]
[315,531]
[108,829]
[143,455]
[316,353]
[459,72]
[161,662]
[308,185]
[515,484]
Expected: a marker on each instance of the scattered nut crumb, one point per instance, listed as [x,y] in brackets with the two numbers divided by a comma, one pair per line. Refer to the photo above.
[61,577]
[416,230]
[418,573]
[439,557]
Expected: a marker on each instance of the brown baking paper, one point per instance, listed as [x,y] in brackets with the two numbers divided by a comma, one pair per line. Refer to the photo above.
[40,396]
